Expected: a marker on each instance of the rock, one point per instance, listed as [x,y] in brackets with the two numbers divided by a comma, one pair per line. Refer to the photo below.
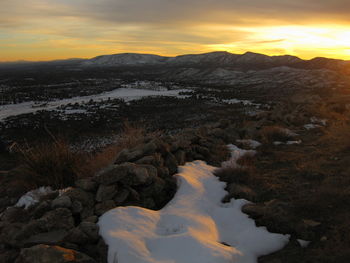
[163,172]
[102,249]
[14,214]
[91,219]
[121,196]
[85,198]
[61,201]
[171,163]
[91,230]
[103,207]
[80,195]
[154,190]
[180,156]
[151,170]
[148,203]
[77,207]
[106,192]
[48,238]
[136,175]
[60,218]
[311,223]
[52,254]
[41,209]
[112,174]
[9,256]
[150,159]
[86,184]
[254,210]
[241,191]
[77,236]
[203,151]
[129,155]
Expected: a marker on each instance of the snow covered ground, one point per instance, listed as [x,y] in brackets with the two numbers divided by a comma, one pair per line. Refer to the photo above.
[126,94]
[195,227]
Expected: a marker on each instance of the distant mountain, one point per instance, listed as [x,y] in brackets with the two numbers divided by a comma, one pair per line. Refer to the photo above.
[125,59]
[218,59]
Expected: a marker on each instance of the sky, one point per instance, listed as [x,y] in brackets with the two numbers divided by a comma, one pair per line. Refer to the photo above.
[58,29]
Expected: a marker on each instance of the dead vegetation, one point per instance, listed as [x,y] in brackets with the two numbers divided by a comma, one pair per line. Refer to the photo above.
[270,134]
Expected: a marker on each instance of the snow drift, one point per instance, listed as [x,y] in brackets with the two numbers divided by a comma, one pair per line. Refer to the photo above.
[194,227]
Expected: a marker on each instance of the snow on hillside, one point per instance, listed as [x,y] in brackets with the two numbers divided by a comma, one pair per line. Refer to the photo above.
[195,227]
[126,94]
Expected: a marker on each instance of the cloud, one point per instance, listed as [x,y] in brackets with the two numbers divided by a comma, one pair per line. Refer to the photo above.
[163,26]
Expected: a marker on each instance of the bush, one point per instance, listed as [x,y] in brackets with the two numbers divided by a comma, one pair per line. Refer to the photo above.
[275,133]
[52,164]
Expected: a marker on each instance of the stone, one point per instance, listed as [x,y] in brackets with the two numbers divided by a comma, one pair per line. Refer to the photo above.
[55,254]
[92,219]
[60,218]
[180,156]
[241,191]
[150,159]
[14,214]
[80,195]
[106,192]
[77,236]
[112,174]
[129,155]
[61,201]
[77,207]
[86,184]
[41,209]
[171,163]
[137,175]
[121,196]
[9,256]
[91,230]
[103,207]
[163,172]
[48,238]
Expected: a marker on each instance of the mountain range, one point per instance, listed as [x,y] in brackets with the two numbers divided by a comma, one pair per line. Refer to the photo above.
[248,60]
[218,59]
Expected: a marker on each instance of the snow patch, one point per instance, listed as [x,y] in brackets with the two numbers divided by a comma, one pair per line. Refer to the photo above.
[250,143]
[32,197]
[236,154]
[127,94]
[311,126]
[195,227]
[303,243]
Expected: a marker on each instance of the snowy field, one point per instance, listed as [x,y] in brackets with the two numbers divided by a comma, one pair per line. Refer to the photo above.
[127,94]
[195,227]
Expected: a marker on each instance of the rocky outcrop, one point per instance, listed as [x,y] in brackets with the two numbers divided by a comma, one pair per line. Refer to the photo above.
[63,227]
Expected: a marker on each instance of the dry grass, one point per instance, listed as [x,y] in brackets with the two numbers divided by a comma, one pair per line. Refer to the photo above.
[52,164]
[243,173]
[130,136]
[271,134]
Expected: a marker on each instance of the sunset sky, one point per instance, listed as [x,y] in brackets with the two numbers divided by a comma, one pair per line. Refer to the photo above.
[56,29]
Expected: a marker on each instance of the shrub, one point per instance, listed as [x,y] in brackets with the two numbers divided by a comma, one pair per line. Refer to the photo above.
[52,164]
[276,133]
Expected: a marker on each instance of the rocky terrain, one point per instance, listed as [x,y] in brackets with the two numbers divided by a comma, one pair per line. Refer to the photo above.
[293,113]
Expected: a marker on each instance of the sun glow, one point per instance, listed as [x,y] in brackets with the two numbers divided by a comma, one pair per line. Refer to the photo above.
[304,41]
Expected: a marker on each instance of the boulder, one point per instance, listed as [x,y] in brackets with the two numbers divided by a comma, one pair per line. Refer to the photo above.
[136,174]
[61,201]
[55,254]
[91,230]
[86,184]
[180,156]
[48,238]
[14,214]
[121,196]
[103,207]
[171,163]
[241,191]
[106,192]
[60,218]
[112,174]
